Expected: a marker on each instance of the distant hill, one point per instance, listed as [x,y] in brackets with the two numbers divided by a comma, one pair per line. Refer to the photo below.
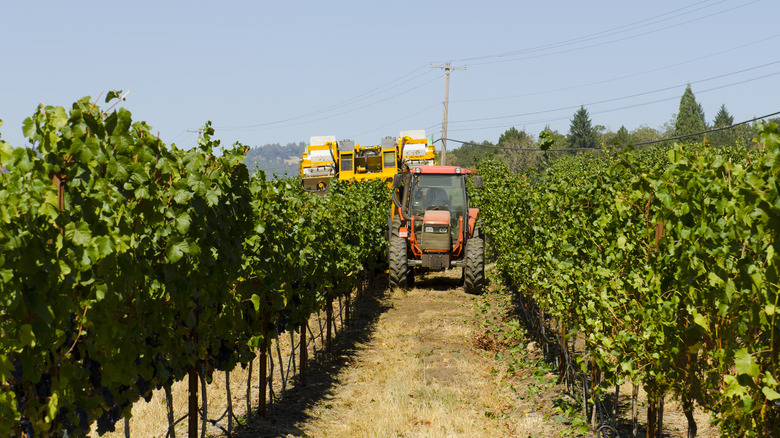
[275,158]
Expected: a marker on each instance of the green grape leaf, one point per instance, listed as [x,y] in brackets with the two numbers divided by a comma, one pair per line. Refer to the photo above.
[256,301]
[744,363]
[6,153]
[78,233]
[770,393]
[26,335]
[113,94]
[176,250]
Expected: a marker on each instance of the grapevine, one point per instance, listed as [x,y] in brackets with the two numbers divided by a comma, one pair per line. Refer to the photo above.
[664,260]
[127,263]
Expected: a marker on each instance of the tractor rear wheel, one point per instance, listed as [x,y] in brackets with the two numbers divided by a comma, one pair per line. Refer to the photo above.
[474,268]
[399,262]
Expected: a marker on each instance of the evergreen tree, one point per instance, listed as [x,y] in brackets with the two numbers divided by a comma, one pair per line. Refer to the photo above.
[723,118]
[725,137]
[581,133]
[690,117]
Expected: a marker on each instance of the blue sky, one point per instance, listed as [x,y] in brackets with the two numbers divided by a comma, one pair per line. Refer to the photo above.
[283,71]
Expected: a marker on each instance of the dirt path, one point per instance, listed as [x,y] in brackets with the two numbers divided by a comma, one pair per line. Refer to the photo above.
[411,366]
[417,376]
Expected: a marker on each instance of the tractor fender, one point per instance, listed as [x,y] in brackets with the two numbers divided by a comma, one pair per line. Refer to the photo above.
[473,212]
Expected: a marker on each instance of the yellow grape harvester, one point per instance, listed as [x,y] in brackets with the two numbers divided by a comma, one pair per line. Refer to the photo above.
[326,159]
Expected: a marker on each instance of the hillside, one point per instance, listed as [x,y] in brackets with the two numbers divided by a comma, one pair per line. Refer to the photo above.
[275,159]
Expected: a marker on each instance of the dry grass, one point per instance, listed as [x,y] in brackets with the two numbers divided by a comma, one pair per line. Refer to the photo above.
[151,419]
[418,377]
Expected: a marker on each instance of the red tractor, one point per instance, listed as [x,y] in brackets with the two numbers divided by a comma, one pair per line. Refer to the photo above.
[432,227]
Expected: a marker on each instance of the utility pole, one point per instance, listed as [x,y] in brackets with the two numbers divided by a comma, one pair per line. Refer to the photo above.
[447,67]
[199,131]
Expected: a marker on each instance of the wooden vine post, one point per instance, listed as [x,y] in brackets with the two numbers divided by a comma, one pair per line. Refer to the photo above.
[562,363]
[169,408]
[655,412]
[229,403]
[249,392]
[192,425]
[304,353]
[328,322]
[58,179]
[687,401]
[653,394]
[659,430]
[634,411]
[346,308]
[263,366]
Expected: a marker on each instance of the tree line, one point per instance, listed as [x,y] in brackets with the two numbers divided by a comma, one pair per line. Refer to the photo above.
[273,158]
[583,133]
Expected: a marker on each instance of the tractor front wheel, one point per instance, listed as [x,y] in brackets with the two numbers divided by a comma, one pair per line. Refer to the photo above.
[398,262]
[474,268]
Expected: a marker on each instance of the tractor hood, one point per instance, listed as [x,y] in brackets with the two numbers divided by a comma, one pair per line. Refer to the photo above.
[437,217]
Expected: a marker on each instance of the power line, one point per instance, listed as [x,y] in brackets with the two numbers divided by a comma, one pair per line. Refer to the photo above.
[399,120]
[663,140]
[395,83]
[533,113]
[599,44]
[607,81]
[708,131]
[321,114]
[547,121]
[584,37]
[336,114]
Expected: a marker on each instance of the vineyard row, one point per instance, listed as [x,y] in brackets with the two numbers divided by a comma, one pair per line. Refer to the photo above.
[127,264]
[665,260]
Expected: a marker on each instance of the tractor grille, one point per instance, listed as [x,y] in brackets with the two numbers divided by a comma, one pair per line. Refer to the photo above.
[436,231]
[436,238]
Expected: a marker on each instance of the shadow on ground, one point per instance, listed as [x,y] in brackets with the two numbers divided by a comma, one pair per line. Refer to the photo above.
[438,281]
[284,416]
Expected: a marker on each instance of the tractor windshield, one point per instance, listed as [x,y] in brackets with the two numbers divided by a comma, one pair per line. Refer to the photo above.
[437,192]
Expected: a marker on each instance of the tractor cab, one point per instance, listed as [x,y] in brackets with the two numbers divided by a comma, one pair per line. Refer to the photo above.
[438,202]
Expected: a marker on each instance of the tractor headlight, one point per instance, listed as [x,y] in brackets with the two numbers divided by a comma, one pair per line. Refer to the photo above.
[429,229]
